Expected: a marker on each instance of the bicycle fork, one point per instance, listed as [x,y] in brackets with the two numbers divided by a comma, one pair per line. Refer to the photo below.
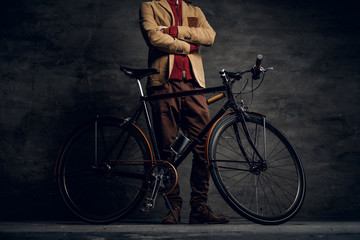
[256,167]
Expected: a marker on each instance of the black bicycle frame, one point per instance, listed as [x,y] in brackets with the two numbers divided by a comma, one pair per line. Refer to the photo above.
[143,105]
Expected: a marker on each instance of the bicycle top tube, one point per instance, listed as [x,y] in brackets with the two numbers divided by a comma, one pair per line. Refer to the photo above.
[184,93]
[138,74]
[228,79]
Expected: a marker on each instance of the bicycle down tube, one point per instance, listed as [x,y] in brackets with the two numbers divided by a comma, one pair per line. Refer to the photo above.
[229,104]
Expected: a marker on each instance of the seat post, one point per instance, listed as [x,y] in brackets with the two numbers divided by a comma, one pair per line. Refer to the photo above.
[140,88]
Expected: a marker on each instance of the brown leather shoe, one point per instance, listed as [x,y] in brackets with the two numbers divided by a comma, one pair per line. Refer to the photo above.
[203,214]
[169,218]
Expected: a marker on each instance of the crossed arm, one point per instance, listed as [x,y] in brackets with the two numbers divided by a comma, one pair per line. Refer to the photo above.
[175,40]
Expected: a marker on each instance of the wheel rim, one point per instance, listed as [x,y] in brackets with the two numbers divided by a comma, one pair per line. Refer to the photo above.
[98,192]
[275,193]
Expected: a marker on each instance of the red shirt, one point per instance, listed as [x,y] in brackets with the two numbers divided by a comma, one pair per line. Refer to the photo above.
[181,69]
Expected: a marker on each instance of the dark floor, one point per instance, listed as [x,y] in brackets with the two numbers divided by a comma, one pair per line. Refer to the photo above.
[235,230]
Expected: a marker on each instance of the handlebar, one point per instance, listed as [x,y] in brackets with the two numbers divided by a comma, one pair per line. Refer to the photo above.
[256,73]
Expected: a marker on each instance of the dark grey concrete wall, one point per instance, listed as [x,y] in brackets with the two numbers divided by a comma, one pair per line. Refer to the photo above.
[59,66]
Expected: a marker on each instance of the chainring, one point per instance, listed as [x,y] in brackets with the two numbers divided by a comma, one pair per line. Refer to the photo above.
[166,174]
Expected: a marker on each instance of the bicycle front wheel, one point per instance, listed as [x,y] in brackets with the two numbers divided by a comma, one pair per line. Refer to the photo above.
[101,169]
[269,192]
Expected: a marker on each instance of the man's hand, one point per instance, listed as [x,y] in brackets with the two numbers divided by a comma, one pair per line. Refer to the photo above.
[172,31]
[162,28]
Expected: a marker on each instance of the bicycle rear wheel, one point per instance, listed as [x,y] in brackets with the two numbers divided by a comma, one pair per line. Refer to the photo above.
[101,169]
[275,192]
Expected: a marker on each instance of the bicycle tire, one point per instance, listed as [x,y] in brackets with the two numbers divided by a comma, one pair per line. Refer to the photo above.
[270,197]
[100,189]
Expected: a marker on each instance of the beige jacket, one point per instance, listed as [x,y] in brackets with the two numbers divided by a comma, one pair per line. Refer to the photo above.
[162,47]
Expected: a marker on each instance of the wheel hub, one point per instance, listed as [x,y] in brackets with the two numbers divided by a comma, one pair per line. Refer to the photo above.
[258,168]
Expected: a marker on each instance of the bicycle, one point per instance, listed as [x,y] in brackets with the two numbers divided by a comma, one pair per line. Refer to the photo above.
[108,165]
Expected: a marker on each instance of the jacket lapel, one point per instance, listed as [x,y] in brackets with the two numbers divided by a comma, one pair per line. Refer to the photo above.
[166,5]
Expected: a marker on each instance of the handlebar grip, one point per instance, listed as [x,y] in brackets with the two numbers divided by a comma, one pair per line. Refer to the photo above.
[258,61]
[215,98]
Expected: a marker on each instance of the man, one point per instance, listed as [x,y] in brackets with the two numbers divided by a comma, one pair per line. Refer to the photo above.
[174,30]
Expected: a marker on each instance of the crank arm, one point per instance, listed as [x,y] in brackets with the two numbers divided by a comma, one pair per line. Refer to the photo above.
[150,202]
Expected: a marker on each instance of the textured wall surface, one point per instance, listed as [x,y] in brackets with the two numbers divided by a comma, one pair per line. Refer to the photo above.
[59,65]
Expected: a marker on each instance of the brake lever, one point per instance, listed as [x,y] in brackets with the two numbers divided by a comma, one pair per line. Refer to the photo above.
[265,70]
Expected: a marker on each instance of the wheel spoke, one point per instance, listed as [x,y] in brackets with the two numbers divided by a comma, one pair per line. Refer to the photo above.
[270,192]
[103,184]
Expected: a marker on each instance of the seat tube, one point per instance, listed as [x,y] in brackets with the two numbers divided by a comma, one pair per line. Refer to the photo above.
[140,88]
[148,120]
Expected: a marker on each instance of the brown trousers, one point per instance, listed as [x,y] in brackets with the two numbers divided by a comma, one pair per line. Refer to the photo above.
[191,115]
